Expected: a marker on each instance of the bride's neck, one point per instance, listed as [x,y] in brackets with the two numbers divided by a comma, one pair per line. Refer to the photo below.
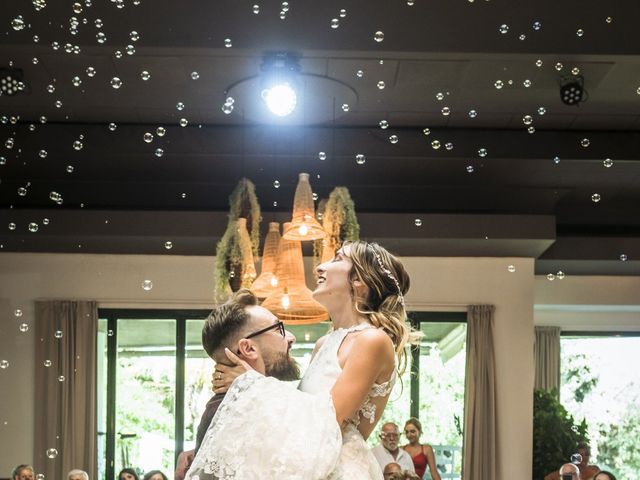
[346,316]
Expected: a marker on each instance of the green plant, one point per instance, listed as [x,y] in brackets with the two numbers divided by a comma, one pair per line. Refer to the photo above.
[339,221]
[243,203]
[555,435]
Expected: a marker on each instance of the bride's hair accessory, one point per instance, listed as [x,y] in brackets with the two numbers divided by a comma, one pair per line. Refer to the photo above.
[387,272]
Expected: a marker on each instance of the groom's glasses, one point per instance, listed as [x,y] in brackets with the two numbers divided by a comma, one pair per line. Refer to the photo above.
[279,325]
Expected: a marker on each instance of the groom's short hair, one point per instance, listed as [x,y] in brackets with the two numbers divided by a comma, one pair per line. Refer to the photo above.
[227,320]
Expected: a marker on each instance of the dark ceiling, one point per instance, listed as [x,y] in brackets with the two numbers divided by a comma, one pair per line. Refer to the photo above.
[121,197]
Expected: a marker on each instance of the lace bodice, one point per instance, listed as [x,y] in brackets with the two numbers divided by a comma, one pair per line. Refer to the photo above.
[324,370]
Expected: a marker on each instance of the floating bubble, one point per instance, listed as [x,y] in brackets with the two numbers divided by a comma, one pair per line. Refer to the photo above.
[180,106]
[43,119]
[511,268]
[55,196]
[440,96]
[607,162]
[623,257]
[473,113]
[359,74]
[537,25]
[314,195]
[551,277]
[227,43]
[435,144]
[445,111]
[378,36]
[393,139]
[380,85]
[101,37]
[17,23]
[608,19]
[60,379]
[417,222]
[33,227]
[34,60]
[383,124]
[580,32]
[42,153]
[23,327]
[147,285]
[134,36]
[522,37]
[539,63]
[227,108]
[575,71]
[343,13]
[503,29]
[9,142]
[183,122]
[526,83]
[116,83]
[527,119]
[345,107]
[159,152]
[76,81]
[576,458]
[58,334]
[499,84]
[145,75]
[482,152]
[470,169]
[256,9]
[556,160]
[77,145]
[195,75]
[51,88]
[69,168]
[595,198]
[4,364]
[542,110]
[40,476]
[360,159]
[560,276]
[276,184]
[448,146]
[148,137]
[112,127]
[22,191]
[12,226]
[39,4]
[559,66]
[91,72]
[322,155]
[168,245]
[18,312]
[160,131]
[47,363]
[130,49]
[426,131]
[585,142]
[531,129]
[335,23]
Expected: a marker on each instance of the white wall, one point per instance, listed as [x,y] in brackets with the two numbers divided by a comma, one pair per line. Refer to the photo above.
[186,282]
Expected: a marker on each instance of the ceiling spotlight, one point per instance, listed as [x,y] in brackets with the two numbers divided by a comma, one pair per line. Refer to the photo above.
[572,90]
[279,81]
[11,81]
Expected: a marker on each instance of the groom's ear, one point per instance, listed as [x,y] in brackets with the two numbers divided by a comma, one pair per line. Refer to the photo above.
[247,349]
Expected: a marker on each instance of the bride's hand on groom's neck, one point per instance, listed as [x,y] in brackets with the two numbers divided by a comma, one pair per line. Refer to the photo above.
[226,373]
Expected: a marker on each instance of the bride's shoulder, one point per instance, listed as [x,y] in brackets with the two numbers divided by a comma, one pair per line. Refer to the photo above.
[375,340]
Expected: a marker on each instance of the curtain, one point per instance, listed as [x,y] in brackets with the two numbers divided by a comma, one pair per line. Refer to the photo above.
[479,447]
[547,358]
[65,389]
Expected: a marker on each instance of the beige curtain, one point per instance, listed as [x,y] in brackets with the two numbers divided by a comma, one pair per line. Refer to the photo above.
[479,447]
[65,391]
[547,358]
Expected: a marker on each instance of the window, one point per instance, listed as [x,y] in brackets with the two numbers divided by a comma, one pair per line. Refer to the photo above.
[155,380]
[600,384]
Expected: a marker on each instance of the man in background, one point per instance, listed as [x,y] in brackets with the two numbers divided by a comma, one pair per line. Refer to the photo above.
[389,451]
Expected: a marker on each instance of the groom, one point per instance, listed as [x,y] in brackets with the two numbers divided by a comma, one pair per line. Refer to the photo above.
[255,335]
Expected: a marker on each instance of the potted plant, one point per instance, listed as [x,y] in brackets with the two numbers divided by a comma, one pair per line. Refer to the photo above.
[340,222]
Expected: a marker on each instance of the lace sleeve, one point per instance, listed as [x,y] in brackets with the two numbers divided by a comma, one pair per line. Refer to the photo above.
[265,428]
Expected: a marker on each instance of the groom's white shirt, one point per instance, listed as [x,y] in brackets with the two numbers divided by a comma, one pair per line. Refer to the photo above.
[384,458]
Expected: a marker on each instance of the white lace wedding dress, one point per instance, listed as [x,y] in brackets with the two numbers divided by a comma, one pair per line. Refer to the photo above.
[266,429]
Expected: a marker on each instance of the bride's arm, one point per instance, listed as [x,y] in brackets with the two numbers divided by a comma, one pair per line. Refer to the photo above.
[371,355]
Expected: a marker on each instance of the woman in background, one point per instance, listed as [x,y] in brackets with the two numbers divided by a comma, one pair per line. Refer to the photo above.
[424,459]
[128,474]
[155,475]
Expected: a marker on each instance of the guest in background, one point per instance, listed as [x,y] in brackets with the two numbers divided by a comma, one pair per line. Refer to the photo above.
[155,475]
[422,455]
[390,469]
[604,475]
[128,474]
[389,451]
[587,471]
[77,475]
[22,472]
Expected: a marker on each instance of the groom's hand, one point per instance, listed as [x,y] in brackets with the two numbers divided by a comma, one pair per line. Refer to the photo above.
[224,375]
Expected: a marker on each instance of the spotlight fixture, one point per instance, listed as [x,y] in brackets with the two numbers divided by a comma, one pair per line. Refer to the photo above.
[279,81]
[572,90]
[11,81]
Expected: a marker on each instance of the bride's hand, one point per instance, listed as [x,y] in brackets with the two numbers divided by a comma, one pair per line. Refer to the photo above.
[224,375]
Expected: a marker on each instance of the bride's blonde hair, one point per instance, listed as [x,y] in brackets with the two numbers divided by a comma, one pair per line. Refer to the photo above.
[388,282]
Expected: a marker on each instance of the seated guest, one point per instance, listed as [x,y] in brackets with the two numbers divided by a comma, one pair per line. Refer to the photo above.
[587,472]
[422,455]
[155,475]
[22,472]
[77,475]
[388,451]
[604,475]
[390,470]
[128,474]
[403,475]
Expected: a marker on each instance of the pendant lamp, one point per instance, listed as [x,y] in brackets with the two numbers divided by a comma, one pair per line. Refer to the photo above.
[267,282]
[249,273]
[304,225]
[291,302]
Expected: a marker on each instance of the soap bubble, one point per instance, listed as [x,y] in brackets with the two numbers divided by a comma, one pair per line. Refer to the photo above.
[576,458]
[52,453]
[58,334]
[91,72]
[417,222]
[595,198]
[180,106]
[380,85]
[360,159]
[116,83]
[145,75]
[393,139]
[183,122]
[607,162]
[147,285]
[503,29]
[322,155]
[276,184]
[482,152]
[159,152]
[18,312]
[511,268]
[168,245]
[378,36]
[227,43]
[195,75]
[435,144]
[383,124]
[4,364]
[335,23]
[148,137]
[160,131]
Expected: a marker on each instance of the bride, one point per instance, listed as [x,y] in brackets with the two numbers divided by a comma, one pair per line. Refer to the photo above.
[350,377]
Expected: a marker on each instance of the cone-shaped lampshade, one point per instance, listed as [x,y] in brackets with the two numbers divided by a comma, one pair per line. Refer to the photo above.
[292,302]
[304,225]
[267,282]
[248,266]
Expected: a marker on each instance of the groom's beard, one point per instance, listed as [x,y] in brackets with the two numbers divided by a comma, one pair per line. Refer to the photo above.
[283,367]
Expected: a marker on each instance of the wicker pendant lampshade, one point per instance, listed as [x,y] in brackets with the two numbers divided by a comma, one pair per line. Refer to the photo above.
[304,225]
[267,282]
[248,266]
[291,302]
